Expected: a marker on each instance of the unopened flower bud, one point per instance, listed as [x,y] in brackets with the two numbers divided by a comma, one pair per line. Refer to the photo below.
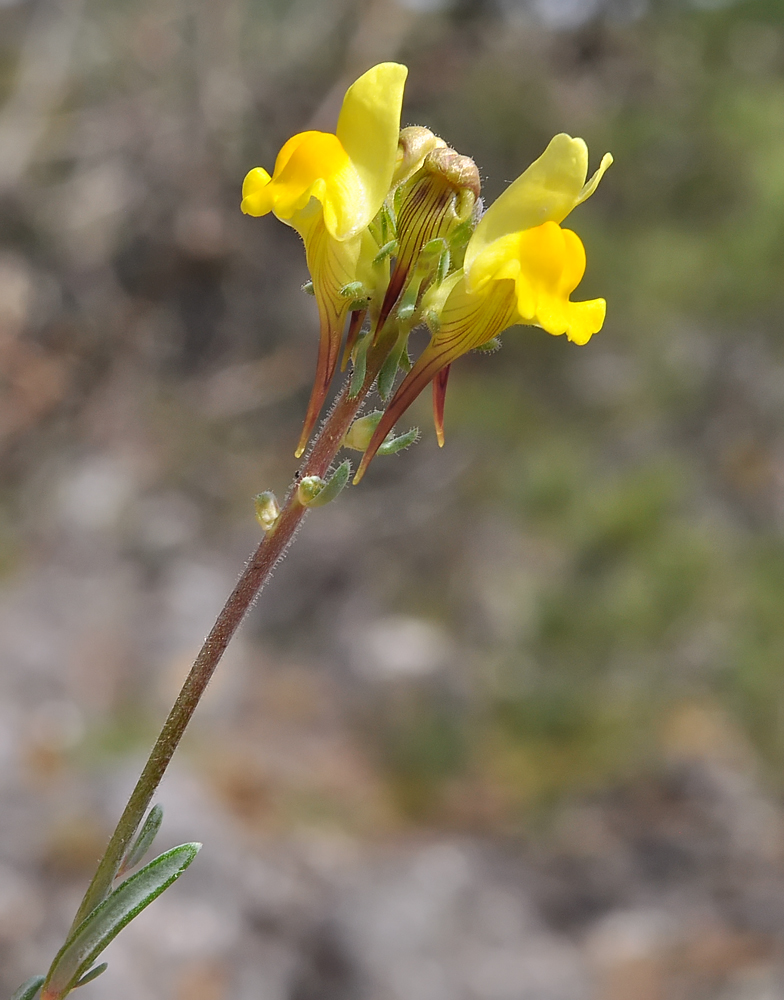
[413,146]
[267,509]
[460,171]
[437,208]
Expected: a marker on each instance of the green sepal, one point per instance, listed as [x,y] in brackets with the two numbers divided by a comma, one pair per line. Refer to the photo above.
[333,487]
[92,974]
[444,263]
[353,290]
[494,344]
[143,842]
[434,247]
[433,321]
[390,213]
[360,366]
[396,444]
[308,288]
[408,300]
[105,922]
[361,431]
[29,990]
[461,234]
[309,488]
[388,250]
[397,201]
[386,377]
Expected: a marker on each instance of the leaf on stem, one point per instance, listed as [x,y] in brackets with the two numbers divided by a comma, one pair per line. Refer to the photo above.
[96,971]
[143,842]
[330,490]
[28,990]
[106,921]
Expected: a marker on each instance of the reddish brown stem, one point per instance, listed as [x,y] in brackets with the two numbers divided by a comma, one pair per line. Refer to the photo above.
[255,575]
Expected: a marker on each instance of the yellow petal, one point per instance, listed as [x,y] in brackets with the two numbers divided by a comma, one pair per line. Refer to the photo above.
[468,319]
[332,264]
[547,192]
[309,165]
[368,129]
[552,264]
[578,320]
[573,263]
[500,259]
[256,198]
[593,183]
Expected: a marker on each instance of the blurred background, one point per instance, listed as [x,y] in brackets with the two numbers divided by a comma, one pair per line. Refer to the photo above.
[508,724]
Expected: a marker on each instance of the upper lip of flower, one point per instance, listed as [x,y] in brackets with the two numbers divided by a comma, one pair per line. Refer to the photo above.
[348,172]
[546,192]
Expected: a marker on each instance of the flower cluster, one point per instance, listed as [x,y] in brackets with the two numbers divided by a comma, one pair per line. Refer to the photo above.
[395,237]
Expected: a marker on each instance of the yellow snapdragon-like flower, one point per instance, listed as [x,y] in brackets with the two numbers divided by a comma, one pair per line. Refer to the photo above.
[520,266]
[329,188]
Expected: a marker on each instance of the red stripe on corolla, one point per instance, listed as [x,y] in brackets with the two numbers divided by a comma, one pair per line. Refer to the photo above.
[354,327]
[439,398]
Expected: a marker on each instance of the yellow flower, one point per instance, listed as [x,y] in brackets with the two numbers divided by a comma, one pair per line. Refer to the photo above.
[329,188]
[520,267]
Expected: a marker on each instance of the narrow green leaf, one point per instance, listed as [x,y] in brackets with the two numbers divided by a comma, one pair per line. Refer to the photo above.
[106,921]
[143,842]
[333,487]
[92,974]
[29,990]
[396,444]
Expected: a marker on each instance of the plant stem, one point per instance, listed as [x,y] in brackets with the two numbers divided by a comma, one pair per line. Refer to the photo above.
[255,575]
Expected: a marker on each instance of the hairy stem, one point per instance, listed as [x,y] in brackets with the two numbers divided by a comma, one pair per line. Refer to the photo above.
[253,578]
